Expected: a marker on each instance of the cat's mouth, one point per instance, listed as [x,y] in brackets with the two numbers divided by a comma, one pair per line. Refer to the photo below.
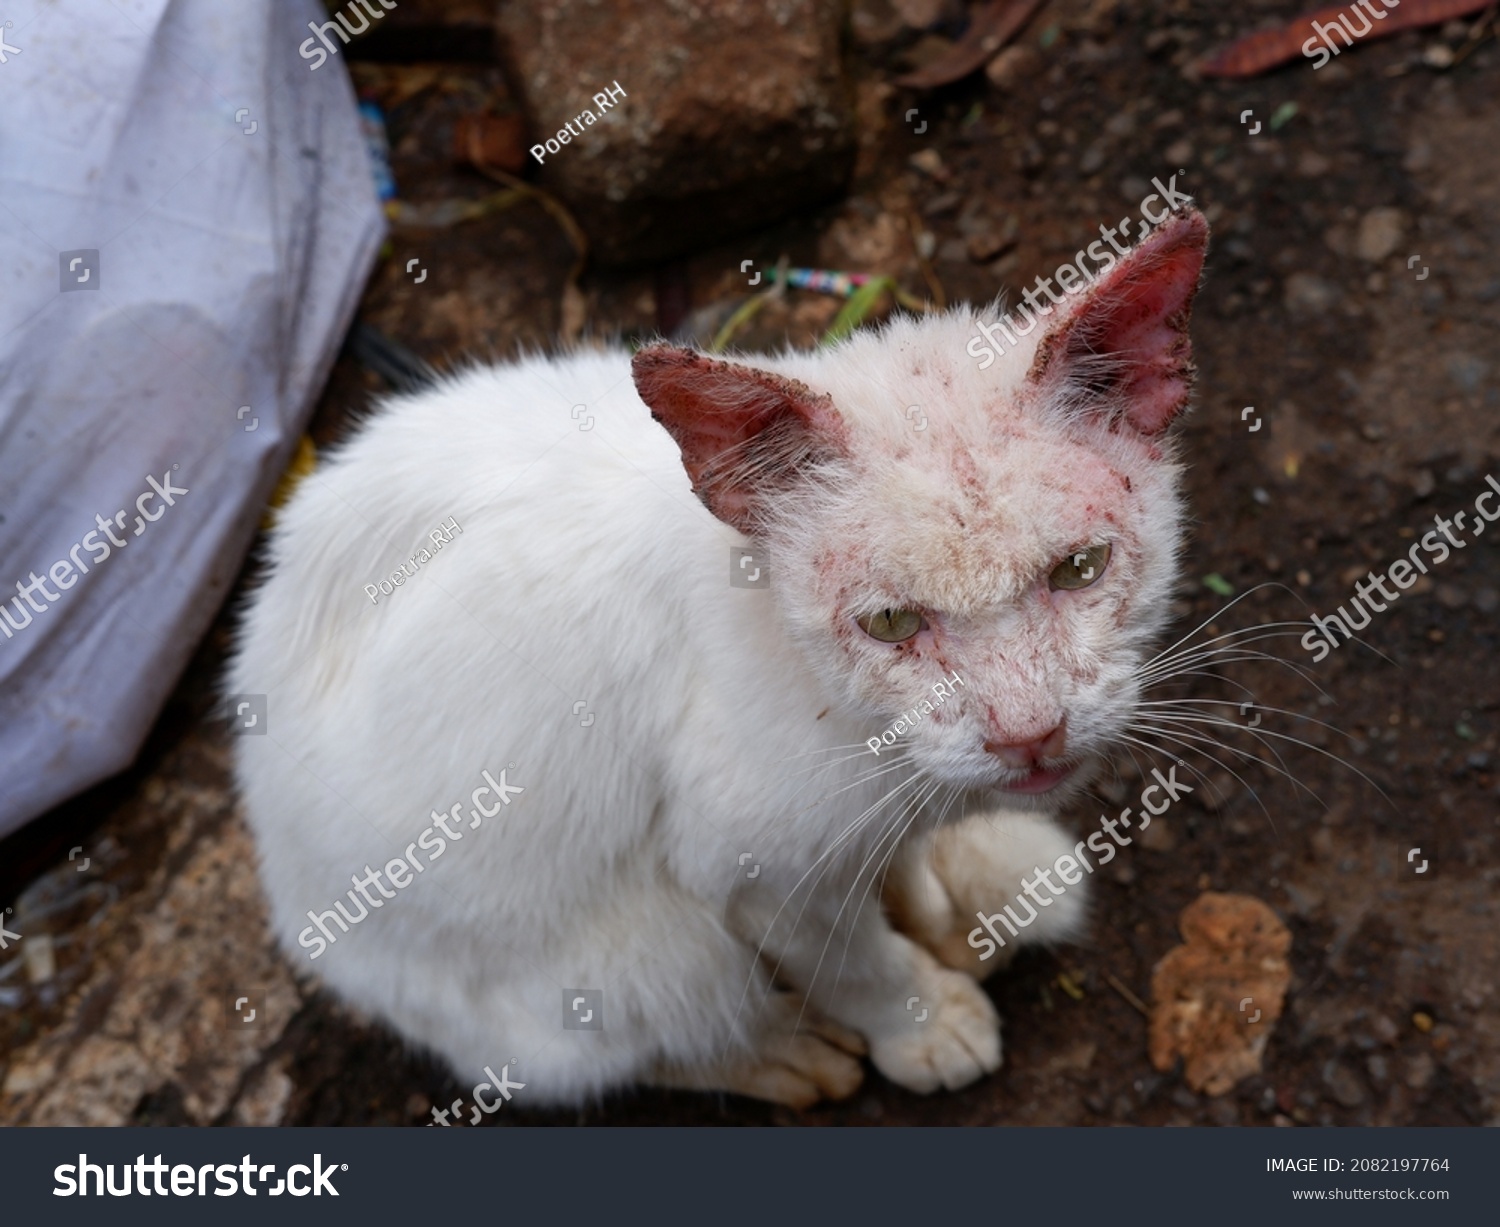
[1038,780]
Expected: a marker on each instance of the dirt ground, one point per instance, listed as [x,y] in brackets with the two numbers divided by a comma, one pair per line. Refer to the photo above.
[1373,385]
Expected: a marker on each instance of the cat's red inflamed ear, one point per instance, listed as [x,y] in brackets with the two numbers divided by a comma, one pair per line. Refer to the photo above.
[1127,341]
[744,433]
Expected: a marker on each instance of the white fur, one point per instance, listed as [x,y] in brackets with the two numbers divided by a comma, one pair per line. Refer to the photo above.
[726,721]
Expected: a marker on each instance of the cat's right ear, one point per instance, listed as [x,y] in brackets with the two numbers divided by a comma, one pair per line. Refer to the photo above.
[745,434]
[1125,346]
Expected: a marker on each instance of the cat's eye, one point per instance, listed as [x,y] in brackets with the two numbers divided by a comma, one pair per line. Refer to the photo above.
[1080,568]
[891,625]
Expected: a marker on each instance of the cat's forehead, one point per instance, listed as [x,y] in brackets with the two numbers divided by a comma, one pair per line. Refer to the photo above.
[914,377]
[966,529]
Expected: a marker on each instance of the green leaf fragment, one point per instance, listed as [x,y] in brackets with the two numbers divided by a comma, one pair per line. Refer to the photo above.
[852,314]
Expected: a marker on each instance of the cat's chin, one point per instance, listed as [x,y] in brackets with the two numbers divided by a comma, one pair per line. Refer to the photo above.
[1037,782]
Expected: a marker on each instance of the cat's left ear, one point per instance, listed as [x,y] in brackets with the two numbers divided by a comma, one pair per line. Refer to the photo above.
[745,434]
[1125,346]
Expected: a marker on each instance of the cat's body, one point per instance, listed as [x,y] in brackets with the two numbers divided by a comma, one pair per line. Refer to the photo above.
[701,811]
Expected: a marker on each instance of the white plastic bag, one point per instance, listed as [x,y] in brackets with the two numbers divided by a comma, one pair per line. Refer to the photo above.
[187,218]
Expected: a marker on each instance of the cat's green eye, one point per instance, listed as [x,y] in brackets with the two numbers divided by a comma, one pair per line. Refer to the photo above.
[1080,568]
[891,625]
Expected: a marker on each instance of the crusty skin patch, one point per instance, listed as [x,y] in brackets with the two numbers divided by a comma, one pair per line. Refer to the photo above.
[717,411]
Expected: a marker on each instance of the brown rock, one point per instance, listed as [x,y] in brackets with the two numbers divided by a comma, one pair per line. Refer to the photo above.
[735,114]
[1234,956]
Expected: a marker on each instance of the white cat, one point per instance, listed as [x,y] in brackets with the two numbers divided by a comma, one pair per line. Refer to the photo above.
[689,873]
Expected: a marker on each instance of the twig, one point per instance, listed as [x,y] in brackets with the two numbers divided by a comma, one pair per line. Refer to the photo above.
[1127,994]
[548,201]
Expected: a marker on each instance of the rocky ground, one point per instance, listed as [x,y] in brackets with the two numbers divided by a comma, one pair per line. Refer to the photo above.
[1352,300]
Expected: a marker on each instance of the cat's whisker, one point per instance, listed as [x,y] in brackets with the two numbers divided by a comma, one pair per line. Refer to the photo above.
[1186,766]
[1190,739]
[874,772]
[845,836]
[864,751]
[1193,716]
[1278,711]
[1115,768]
[881,872]
[1183,647]
[1299,741]
[1208,621]
[900,824]
[959,795]
[1205,652]
[849,831]
[1163,679]
[792,758]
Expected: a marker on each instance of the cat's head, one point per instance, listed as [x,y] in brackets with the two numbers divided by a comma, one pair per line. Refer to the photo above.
[1015,527]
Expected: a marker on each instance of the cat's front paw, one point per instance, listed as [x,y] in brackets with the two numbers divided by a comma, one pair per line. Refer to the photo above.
[949,1036]
[978,866]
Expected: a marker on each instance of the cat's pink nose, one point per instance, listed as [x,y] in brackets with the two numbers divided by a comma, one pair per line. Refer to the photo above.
[1025,755]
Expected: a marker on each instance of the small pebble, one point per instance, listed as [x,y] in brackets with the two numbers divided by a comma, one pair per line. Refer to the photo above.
[1379,234]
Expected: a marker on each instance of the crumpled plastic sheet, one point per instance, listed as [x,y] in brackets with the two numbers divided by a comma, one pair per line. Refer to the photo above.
[187,219]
